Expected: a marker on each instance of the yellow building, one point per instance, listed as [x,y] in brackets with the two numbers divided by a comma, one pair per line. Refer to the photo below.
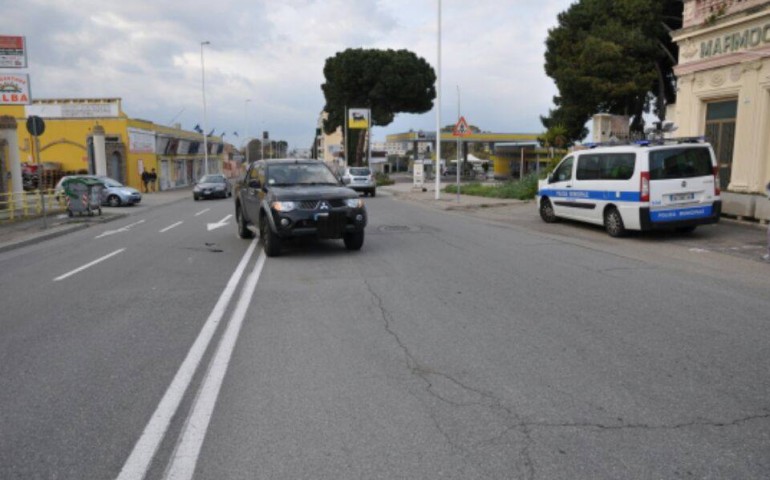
[723,79]
[71,143]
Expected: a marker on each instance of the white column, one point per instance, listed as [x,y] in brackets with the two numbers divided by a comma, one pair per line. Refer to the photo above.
[100,151]
[8,128]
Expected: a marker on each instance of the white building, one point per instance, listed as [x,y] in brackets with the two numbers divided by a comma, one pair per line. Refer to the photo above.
[724,93]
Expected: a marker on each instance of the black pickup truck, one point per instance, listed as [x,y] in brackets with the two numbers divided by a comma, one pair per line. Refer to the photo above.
[285,198]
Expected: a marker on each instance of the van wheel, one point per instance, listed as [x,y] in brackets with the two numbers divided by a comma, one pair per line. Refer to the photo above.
[689,229]
[613,223]
[546,211]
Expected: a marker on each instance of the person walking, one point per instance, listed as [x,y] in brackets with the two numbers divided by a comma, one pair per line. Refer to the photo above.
[145,180]
[153,179]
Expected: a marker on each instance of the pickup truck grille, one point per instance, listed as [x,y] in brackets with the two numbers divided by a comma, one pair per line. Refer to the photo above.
[313,204]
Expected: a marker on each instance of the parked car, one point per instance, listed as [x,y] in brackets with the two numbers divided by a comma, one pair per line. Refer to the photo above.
[360,179]
[288,198]
[646,186]
[212,185]
[114,193]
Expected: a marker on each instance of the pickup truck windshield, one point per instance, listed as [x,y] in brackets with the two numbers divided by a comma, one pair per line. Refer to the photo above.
[300,174]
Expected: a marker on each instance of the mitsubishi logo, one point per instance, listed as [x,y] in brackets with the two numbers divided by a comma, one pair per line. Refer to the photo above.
[323,206]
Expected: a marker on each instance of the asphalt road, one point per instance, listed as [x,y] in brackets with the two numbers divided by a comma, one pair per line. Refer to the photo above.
[451,346]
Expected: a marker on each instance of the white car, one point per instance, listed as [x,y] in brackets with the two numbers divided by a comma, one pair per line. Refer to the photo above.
[644,186]
[360,179]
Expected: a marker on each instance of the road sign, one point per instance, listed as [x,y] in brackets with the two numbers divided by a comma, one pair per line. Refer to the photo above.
[35,125]
[461,128]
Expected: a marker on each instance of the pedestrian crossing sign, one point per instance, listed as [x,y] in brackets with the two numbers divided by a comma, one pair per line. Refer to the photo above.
[461,128]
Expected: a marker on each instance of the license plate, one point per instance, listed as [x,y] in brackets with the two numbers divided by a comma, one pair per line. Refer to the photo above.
[678,197]
[321,215]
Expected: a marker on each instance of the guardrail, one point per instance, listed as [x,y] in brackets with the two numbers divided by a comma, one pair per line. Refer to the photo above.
[19,206]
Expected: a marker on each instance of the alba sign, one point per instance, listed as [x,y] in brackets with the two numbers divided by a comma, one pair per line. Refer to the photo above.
[14,89]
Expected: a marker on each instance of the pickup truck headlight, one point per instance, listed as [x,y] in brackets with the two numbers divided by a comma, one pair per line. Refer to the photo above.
[283,206]
[354,203]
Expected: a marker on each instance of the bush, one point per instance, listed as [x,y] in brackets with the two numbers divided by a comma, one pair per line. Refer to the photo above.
[524,189]
[383,179]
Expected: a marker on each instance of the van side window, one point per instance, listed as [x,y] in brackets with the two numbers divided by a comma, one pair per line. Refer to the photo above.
[606,166]
[564,171]
[683,162]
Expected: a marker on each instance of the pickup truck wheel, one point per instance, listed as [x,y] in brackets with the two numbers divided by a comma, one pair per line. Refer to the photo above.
[354,241]
[270,241]
[243,230]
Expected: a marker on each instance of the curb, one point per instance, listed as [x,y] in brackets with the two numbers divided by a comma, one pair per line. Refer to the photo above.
[56,231]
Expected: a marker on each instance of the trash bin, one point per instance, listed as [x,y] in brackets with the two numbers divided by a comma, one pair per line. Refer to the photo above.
[83,195]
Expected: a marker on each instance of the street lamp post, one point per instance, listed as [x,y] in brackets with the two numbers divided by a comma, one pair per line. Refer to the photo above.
[203,92]
[438,108]
[246,126]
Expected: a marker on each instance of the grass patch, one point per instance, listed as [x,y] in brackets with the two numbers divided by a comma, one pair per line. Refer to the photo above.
[524,189]
[383,179]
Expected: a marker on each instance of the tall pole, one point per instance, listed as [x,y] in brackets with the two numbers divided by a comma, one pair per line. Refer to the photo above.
[246,126]
[205,127]
[458,146]
[347,141]
[438,108]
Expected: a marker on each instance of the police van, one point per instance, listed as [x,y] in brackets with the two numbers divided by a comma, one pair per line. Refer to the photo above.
[671,184]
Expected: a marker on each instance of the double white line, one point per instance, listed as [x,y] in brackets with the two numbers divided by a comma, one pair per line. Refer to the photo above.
[182,465]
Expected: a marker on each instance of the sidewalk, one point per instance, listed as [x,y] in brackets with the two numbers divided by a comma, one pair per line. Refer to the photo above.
[27,232]
[447,201]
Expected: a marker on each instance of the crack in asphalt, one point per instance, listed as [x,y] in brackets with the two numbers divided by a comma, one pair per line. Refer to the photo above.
[424,373]
[515,423]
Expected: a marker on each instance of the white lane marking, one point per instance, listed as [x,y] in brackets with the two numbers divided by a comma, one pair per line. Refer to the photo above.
[88,265]
[221,223]
[202,211]
[120,230]
[170,227]
[139,460]
[188,448]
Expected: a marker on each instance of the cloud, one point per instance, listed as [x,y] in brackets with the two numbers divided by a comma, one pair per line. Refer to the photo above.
[273,52]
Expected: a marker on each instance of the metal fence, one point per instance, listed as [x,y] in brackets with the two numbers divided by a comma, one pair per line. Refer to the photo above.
[20,206]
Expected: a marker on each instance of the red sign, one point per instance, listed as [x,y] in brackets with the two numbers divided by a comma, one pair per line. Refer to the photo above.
[12,52]
[461,128]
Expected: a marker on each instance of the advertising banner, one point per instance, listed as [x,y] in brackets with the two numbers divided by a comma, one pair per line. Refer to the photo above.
[14,89]
[13,53]
[358,118]
[141,141]
[74,110]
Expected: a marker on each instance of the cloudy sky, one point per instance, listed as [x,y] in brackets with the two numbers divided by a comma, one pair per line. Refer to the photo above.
[264,66]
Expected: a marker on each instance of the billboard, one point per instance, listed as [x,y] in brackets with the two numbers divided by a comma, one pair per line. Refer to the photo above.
[74,110]
[358,118]
[14,89]
[141,141]
[13,52]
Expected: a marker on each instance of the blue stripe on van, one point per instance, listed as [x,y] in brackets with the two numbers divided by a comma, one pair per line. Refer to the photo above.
[680,214]
[613,195]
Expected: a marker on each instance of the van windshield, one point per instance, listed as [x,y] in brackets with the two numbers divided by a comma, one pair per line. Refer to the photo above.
[685,162]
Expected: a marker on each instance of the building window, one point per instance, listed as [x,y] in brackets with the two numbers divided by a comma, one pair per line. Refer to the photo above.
[720,132]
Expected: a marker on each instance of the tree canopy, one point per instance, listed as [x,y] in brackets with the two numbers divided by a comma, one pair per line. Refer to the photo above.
[386,81]
[607,56]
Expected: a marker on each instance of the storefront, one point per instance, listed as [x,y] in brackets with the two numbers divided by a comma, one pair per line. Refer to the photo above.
[724,93]
[130,145]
